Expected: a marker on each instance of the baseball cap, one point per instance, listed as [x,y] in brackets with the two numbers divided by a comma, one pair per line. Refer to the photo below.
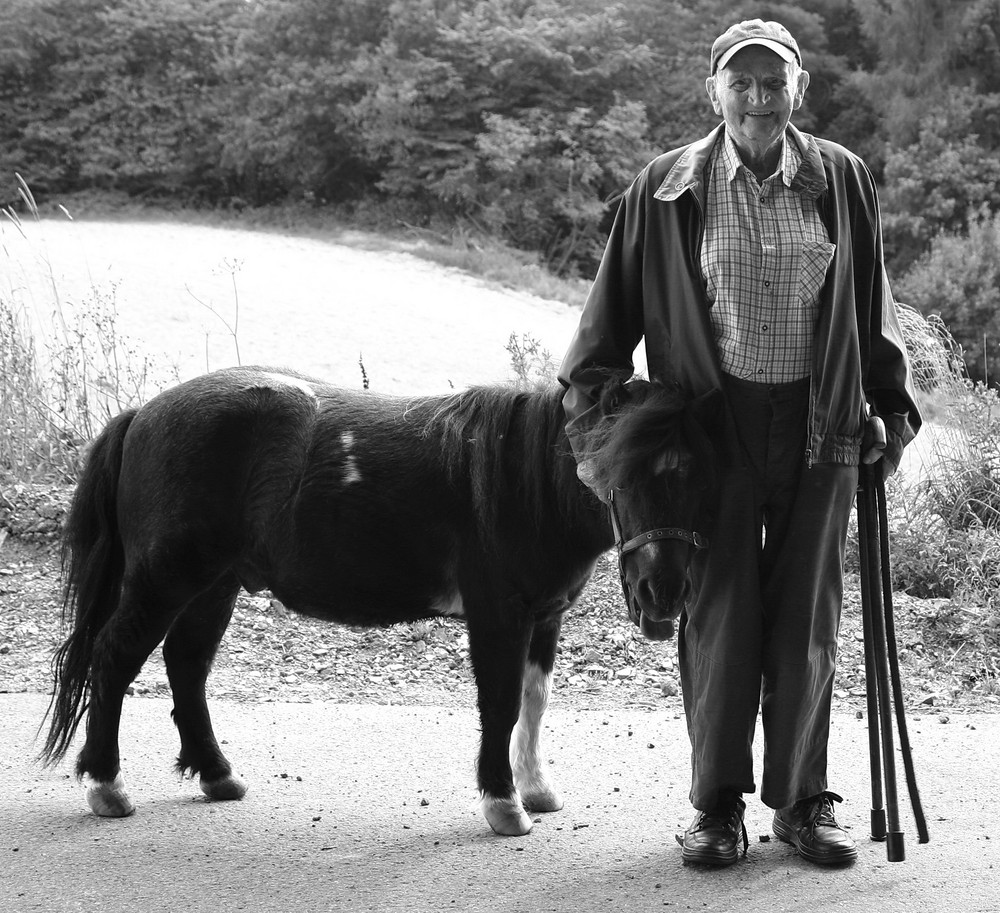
[771,35]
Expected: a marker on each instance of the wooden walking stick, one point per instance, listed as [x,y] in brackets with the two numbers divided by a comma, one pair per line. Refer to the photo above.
[881,667]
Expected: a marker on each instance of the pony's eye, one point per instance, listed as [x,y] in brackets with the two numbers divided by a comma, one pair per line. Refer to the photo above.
[673,463]
[666,463]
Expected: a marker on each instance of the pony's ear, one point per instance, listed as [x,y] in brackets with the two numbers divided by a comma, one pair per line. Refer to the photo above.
[613,396]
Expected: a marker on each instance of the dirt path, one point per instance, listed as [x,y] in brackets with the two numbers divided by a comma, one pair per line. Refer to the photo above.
[367,808]
[311,304]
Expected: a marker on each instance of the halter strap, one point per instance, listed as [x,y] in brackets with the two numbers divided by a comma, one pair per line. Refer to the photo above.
[653,535]
[665,532]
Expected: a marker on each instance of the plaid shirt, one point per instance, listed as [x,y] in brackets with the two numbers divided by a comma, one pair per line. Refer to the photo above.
[764,258]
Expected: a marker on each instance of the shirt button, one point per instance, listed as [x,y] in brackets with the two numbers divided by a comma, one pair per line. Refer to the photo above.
[767,283]
[763,328]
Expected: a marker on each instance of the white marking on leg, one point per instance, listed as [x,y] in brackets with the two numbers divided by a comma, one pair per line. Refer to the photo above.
[351,472]
[537,791]
[507,817]
[296,382]
[109,799]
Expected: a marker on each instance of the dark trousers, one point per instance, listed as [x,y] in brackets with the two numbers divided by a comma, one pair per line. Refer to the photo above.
[761,630]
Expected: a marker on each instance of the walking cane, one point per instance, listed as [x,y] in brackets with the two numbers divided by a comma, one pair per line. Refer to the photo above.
[881,666]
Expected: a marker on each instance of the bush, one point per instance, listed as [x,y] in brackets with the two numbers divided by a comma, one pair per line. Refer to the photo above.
[945,505]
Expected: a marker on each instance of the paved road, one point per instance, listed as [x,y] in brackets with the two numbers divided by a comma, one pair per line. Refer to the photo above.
[364,808]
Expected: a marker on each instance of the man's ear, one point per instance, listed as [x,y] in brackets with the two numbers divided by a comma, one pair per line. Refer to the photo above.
[713,94]
[800,89]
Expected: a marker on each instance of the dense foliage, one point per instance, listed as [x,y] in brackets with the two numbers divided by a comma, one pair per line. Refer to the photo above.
[524,118]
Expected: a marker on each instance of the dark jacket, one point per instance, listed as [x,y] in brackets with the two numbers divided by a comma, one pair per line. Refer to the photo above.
[650,285]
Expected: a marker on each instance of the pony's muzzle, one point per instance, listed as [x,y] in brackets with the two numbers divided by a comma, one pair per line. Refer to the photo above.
[662,597]
[656,630]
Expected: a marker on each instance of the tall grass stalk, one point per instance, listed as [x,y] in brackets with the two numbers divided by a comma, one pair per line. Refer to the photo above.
[945,523]
[65,369]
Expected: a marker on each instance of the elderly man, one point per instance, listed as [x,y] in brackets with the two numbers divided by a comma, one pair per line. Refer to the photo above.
[751,262]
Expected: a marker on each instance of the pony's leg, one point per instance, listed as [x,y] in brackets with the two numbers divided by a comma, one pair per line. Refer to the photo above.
[498,652]
[123,645]
[188,653]
[537,791]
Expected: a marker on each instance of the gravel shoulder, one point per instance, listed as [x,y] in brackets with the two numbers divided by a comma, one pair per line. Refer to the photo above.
[272,654]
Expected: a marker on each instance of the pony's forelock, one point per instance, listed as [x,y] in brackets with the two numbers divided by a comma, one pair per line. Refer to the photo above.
[639,424]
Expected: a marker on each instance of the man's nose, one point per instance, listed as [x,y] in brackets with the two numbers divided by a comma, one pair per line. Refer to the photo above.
[758,93]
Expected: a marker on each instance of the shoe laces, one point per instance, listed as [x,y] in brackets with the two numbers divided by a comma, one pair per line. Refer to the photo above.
[724,814]
[818,810]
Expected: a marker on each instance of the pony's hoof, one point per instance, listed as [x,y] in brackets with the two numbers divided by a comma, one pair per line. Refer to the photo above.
[507,817]
[224,788]
[542,797]
[109,800]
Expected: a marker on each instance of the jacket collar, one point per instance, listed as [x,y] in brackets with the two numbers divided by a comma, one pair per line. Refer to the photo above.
[688,172]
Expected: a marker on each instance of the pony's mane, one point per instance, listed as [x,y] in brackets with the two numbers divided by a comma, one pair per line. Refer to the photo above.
[504,442]
[644,420]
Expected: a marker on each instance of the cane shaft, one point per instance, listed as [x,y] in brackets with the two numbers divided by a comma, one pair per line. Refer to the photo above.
[878,829]
[893,656]
[880,683]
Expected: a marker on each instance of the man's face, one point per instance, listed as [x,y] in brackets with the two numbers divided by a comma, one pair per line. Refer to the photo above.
[756,94]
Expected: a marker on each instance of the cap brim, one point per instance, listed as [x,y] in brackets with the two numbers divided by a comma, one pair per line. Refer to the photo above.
[785,53]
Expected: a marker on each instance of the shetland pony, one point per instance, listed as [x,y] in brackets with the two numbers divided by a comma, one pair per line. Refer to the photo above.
[365,510]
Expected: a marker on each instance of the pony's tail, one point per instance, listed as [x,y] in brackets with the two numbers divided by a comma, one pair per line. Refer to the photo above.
[92,565]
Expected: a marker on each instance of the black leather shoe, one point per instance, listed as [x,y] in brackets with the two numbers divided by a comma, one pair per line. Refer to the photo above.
[810,826]
[713,837]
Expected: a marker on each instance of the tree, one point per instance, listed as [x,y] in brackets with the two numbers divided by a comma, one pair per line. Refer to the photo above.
[511,114]
[37,37]
[291,77]
[932,104]
[959,279]
[545,187]
[933,184]
[120,94]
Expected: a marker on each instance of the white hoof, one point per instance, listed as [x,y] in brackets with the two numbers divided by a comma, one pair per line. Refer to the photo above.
[540,796]
[109,800]
[228,787]
[507,817]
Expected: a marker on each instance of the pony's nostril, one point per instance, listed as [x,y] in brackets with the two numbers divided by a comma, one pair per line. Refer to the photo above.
[660,598]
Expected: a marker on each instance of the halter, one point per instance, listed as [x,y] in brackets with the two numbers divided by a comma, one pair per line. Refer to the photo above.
[625,547]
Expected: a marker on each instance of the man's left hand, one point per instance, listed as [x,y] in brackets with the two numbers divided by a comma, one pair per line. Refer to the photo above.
[873,441]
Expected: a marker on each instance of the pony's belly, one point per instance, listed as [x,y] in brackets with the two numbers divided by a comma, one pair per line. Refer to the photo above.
[368,610]
[449,605]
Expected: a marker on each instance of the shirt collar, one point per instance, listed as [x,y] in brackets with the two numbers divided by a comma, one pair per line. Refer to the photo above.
[788,162]
[686,174]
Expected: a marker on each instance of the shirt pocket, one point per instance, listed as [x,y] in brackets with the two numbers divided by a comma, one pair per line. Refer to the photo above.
[816,257]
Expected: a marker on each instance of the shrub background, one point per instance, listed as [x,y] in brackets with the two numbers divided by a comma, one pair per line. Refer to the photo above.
[518,120]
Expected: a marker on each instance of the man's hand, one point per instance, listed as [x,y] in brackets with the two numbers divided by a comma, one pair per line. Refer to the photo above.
[873,441]
[585,473]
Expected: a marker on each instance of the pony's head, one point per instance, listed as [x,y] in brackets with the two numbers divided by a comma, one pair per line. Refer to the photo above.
[651,461]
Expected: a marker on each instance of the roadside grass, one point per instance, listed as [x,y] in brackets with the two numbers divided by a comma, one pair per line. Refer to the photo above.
[65,368]
[944,508]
